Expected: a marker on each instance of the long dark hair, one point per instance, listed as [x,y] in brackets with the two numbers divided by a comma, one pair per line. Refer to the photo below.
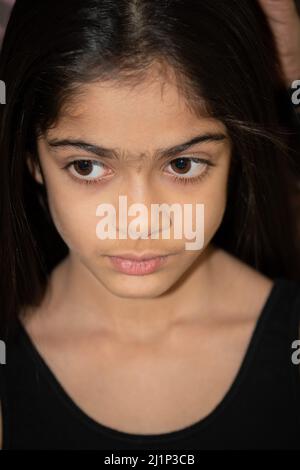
[224,56]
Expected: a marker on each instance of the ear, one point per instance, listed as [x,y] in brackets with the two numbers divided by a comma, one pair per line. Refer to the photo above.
[34,169]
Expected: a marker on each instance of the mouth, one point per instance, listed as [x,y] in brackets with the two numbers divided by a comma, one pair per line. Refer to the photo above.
[140,256]
[138,265]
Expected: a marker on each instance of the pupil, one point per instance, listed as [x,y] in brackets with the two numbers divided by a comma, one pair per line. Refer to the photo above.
[181,164]
[83,166]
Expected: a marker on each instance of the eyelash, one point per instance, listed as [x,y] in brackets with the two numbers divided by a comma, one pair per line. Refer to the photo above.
[193,179]
[177,179]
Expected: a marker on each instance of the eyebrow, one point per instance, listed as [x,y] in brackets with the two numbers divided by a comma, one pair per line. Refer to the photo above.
[112,153]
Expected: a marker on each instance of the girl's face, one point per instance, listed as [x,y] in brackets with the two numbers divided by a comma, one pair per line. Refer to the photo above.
[119,137]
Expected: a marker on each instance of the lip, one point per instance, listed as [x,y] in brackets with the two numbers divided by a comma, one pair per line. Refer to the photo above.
[138,265]
[140,256]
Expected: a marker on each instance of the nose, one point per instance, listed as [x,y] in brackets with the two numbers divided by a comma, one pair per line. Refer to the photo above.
[138,220]
[137,213]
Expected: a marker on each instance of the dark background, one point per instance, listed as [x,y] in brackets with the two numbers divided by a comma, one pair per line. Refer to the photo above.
[5,7]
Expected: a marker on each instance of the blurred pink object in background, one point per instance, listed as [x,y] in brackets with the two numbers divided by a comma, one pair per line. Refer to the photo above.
[5,8]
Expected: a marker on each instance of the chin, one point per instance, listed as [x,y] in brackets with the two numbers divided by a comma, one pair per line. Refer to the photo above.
[138,287]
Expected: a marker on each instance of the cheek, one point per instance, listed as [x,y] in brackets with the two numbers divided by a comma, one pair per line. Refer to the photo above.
[74,214]
[213,216]
[75,221]
[214,200]
[73,211]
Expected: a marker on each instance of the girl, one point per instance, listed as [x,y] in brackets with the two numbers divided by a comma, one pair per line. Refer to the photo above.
[138,342]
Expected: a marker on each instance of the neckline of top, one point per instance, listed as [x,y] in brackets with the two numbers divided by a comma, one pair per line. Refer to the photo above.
[275,291]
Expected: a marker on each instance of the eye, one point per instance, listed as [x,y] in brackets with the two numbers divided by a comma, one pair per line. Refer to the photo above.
[188,167]
[87,169]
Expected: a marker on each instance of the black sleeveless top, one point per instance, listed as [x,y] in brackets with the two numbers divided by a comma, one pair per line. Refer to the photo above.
[261,409]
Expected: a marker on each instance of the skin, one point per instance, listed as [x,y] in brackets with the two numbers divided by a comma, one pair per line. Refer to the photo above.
[145,336]
[114,328]
[131,120]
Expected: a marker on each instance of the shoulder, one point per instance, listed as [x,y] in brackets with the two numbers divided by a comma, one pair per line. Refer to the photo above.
[254,294]
[246,293]
[14,373]
[1,406]
[0,425]
[244,290]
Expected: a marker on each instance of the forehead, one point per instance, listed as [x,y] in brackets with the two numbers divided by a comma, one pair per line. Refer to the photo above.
[143,113]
